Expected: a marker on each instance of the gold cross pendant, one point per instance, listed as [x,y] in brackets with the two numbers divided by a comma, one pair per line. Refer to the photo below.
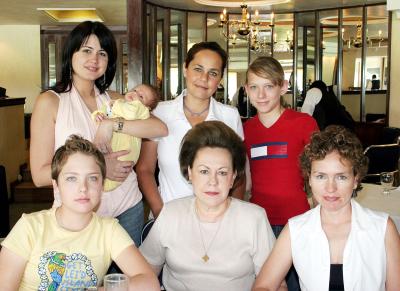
[205,258]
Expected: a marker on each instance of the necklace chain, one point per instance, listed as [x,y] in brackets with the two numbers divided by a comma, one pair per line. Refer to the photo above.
[205,257]
[195,113]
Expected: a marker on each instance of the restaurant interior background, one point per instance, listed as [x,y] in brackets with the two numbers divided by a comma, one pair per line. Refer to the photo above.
[343,43]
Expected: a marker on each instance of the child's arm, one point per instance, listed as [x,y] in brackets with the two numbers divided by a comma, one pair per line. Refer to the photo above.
[12,268]
[129,96]
[145,170]
[134,265]
[142,128]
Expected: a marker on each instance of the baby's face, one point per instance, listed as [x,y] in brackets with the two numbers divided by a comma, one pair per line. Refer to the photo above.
[141,93]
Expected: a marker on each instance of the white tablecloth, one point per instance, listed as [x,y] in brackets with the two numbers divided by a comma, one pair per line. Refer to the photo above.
[371,197]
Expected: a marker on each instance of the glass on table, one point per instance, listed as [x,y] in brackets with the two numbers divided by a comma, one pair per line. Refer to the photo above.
[115,282]
[387,182]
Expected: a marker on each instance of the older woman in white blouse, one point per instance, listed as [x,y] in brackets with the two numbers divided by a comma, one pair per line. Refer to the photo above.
[210,241]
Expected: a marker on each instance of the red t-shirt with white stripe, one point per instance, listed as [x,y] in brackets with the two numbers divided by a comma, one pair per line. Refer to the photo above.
[277,183]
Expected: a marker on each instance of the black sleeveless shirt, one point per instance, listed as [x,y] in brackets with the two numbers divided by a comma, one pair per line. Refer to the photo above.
[336,278]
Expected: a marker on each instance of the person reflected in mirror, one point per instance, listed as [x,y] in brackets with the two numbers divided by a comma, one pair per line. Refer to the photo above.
[203,69]
[338,245]
[323,105]
[274,139]
[241,102]
[70,247]
[209,240]
[375,83]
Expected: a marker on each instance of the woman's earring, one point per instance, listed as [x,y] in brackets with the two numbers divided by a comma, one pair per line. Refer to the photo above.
[70,73]
[104,79]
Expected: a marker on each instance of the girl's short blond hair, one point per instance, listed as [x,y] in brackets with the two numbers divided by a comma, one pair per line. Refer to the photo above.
[267,68]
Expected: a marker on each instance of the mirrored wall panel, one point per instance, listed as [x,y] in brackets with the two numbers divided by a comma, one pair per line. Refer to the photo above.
[177,51]
[376,65]
[195,26]
[329,38]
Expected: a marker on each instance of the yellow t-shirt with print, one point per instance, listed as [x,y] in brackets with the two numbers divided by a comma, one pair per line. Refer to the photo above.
[58,259]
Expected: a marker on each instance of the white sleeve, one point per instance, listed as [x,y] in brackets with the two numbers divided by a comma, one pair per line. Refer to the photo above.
[152,248]
[248,175]
[159,113]
[239,125]
[264,241]
[313,97]
[308,108]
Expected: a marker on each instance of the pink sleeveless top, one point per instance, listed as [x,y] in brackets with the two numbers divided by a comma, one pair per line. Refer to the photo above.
[73,117]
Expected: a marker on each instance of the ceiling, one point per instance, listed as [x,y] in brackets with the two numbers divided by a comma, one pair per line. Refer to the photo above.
[20,12]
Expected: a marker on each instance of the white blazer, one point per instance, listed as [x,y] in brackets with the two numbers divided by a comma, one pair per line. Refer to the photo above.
[364,257]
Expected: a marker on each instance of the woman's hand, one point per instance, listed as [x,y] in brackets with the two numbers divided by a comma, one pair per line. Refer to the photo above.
[103,136]
[100,116]
[117,170]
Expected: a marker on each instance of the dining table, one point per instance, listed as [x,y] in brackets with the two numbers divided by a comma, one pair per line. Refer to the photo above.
[371,196]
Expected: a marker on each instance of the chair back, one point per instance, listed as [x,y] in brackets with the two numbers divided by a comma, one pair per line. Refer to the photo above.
[146,229]
[382,158]
[4,206]
[390,135]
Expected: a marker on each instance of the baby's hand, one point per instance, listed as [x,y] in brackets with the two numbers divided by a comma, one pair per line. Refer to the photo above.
[130,96]
[100,117]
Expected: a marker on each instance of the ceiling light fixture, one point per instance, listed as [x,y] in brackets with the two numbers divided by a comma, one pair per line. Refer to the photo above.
[378,40]
[246,27]
[236,3]
[73,14]
[252,28]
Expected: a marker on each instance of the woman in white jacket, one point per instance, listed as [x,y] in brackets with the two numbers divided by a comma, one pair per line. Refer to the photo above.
[338,245]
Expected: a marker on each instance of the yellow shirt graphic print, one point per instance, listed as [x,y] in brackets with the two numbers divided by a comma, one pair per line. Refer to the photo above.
[59,271]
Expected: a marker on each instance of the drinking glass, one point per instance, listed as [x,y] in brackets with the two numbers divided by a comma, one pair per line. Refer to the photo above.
[387,182]
[116,282]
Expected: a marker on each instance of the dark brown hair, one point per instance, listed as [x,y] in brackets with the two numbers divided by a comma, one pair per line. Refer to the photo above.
[213,134]
[335,139]
[207,45]
[76,144]
[78,37]
[155,94]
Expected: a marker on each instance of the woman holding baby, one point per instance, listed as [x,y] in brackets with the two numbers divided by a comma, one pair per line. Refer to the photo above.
[88,68]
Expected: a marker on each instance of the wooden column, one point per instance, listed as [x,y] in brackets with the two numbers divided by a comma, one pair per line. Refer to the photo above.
[135,15]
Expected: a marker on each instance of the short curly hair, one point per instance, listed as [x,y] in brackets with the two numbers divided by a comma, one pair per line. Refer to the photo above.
[213,134]
[335,139]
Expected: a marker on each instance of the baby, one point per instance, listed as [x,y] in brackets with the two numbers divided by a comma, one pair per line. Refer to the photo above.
[137,105]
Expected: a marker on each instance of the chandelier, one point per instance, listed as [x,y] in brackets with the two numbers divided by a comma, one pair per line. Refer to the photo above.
[371,41]
[247,27]
[283,45]
[353,41]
